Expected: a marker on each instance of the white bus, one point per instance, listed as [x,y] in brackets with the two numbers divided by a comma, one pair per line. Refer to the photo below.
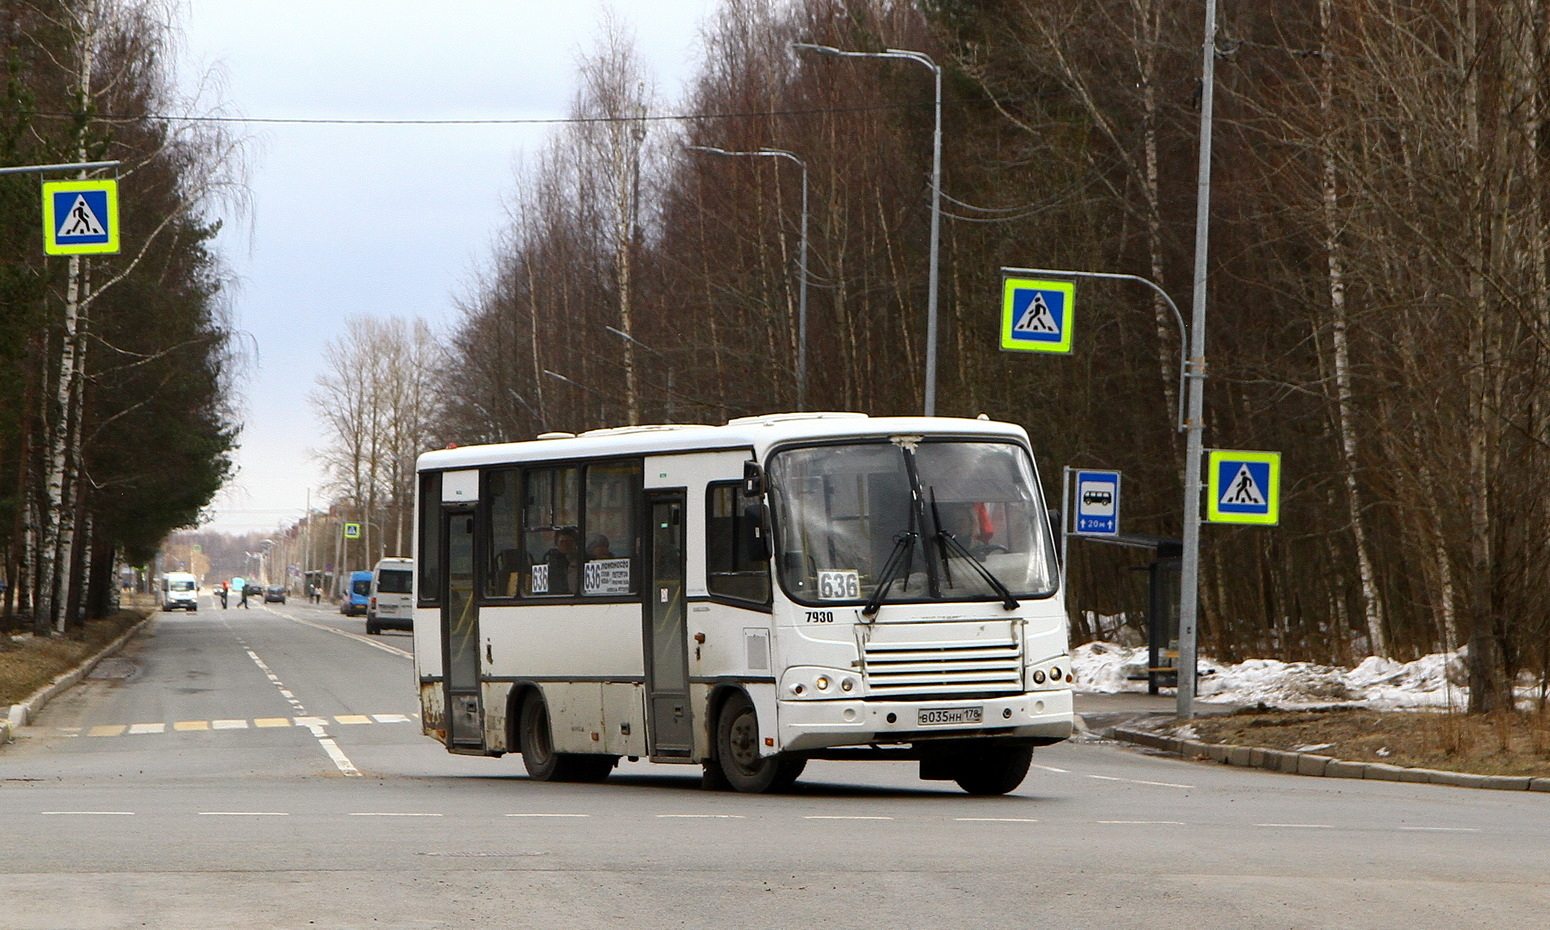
[744,597]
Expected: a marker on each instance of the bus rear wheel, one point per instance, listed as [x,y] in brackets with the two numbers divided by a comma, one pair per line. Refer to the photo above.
[737,751]
[538,755]
[994,769]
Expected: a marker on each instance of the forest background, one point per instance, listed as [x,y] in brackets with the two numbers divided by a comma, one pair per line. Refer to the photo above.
[1379,284]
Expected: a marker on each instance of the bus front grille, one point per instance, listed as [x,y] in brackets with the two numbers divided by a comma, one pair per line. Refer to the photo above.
[943,659]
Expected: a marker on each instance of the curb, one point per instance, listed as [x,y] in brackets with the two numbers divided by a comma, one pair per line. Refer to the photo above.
[1306,763]
[23,712]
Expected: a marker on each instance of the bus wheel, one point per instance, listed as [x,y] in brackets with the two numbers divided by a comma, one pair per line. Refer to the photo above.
[737,751]
[538,755]
[994,769]
[540,759]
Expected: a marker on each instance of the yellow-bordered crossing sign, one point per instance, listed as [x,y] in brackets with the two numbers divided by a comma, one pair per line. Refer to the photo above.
[1036,315]
[80,217]
[1243,487]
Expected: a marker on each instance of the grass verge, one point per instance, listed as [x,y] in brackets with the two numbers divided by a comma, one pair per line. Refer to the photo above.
[37,661]
[1503,743]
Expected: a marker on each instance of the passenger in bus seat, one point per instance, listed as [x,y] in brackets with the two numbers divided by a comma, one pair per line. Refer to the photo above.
[564,562]
[597,547]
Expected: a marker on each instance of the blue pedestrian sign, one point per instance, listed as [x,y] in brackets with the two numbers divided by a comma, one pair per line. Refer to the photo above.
[1243,487]
[1036,315]
[80,217]
[1097,503]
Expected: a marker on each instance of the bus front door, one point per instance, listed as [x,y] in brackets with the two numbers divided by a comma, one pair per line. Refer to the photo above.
[460,634]
[667,654]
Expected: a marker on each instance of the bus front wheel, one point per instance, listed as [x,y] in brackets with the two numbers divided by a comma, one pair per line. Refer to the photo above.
[538,755]
[737,751]
[994,770]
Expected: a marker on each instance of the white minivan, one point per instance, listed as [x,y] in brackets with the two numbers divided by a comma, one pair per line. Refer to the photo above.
[391,604]
[179,591]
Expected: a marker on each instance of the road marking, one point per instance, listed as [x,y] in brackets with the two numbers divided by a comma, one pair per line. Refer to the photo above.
[1051,768]
[87,813]
[184,726]
[358,637]
[105,731]
[148,728]
[843,817]
[1137,781]
[229,724]
[273,722]
[1141,823]
[390,814]
[1443,829]
[244,813]
[390,718]
[313,724]
[699,816]
[1298,826]
[352,718]
[995,820]
[548,815]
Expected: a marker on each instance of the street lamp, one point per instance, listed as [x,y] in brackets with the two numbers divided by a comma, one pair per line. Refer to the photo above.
[801,264]
[936,193]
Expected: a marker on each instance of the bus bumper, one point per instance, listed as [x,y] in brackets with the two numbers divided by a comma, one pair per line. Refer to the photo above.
[1037,716]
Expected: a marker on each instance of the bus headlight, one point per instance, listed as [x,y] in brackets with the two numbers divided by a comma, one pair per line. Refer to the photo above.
[815,683]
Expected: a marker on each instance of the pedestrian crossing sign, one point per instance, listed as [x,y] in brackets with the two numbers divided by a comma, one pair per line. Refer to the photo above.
[1243,487]
[1036,315]
[80,217]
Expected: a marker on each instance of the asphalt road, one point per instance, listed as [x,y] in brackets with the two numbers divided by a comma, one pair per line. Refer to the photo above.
[264,768]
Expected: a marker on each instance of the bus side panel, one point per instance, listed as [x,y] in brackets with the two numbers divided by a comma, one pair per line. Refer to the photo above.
[433,709]
[427,642]
[496,696]
[624,718]
[738,646]
[562,641]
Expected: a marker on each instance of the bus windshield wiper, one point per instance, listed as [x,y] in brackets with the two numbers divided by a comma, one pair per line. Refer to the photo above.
[903,554]
[1007,600]
[942,536]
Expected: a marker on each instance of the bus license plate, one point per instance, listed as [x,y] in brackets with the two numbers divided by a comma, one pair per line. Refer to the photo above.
[942,716]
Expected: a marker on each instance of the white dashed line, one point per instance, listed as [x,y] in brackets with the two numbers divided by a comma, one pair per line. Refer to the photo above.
[548,815]
[700,816]
[390,814]
[1051,768]
[1298,826]
[244,813]
[995,820]
[313,724]
[843,817]
[87,813]
[1442,829]
[1137,781]
[1143,823]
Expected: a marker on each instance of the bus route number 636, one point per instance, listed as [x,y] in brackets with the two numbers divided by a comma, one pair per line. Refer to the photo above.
[839,586]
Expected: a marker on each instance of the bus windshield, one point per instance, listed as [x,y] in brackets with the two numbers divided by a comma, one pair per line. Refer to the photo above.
[906,516]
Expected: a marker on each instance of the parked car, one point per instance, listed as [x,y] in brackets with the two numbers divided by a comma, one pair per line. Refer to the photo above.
[357,597]
[275,593]
[391,606]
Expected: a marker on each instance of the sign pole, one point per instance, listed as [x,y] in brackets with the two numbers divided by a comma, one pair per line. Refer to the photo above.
[1189,580]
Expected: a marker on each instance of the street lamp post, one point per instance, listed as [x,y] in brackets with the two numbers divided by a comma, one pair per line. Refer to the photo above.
[936,195]
[801,264]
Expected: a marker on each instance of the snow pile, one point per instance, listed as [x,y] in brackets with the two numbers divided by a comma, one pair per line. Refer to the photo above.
[1430,681]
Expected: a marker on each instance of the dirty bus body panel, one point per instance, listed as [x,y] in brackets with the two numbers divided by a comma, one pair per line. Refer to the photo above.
[744,597]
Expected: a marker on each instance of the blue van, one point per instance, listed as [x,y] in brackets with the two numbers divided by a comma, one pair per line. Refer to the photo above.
[359,595]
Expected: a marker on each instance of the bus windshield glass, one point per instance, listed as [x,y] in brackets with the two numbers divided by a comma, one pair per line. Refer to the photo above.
[906,515]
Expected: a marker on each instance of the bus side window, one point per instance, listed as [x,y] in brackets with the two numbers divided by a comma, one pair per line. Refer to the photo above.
[550,543]
[428,561]
[731,569]
[502,500]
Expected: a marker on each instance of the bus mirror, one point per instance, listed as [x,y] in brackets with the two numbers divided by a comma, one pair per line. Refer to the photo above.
[753,479]
[755,544]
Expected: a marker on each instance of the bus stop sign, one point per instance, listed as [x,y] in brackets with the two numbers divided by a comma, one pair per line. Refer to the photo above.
[1097,503]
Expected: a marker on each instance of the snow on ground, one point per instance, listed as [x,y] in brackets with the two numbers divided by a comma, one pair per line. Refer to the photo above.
[1432,681]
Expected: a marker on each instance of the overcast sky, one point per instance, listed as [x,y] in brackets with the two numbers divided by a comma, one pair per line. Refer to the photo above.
[379,220]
